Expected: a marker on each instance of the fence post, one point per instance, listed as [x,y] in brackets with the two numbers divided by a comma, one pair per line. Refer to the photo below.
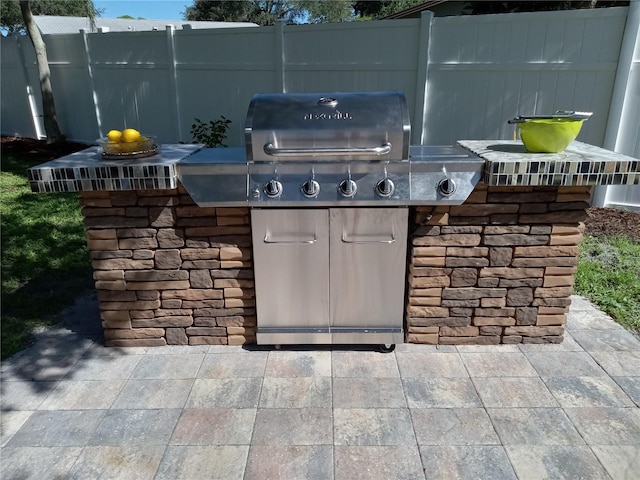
[422,76]
[89,68]
[280,58]
[36,118]
[173,78]
[622,112]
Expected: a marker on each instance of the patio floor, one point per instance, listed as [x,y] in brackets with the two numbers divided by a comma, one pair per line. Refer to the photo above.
[72,408]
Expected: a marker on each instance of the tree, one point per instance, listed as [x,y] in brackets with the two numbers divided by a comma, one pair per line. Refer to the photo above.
[11,15]
[51,126]
[256,11]
[375,10]
[327,11]
[481,8]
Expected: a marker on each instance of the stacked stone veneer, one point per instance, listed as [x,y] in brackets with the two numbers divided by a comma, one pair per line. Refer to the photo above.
[168,271]
[498,269]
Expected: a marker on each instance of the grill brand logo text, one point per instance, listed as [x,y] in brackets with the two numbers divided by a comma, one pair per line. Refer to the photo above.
[337,115]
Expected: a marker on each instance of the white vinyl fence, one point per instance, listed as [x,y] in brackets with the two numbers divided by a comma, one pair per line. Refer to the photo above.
[463,77]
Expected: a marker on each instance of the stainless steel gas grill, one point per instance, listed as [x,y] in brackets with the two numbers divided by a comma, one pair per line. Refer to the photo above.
[330,178]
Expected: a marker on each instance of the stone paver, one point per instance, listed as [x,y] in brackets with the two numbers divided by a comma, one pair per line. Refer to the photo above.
[466,462]
[376,462]
[225,393]
[303,392]
[275,462]
[372,426]
[453,426]
[136,427]
[221,462]
[567,410]
[293,426]
[368,393]
[513,392]
[587,392]
[620,461]
[558,461]
[38,462]
[534,426]
[117,463]
[440,393]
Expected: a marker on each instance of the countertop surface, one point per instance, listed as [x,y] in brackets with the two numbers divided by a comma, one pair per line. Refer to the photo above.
[508,163]
[87,171]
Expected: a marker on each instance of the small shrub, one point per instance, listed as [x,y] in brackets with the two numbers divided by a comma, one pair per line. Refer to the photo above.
[212,133]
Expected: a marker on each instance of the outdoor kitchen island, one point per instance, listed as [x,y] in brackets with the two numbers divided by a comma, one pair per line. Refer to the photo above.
[498,268]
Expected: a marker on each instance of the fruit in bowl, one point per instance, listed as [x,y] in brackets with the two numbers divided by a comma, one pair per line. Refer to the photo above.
[127,142]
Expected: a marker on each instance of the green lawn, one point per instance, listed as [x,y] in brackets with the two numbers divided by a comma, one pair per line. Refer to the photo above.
[609,275]
[45,264]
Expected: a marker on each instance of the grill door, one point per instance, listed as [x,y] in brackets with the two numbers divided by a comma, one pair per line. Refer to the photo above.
[291,251]
[368,261]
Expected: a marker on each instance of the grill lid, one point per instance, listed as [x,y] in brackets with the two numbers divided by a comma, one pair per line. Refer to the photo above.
[361,126]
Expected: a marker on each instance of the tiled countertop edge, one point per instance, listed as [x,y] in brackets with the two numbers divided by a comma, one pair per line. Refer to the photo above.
[509,164]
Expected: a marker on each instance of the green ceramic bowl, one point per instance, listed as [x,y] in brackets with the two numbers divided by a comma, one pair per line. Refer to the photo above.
[548,135]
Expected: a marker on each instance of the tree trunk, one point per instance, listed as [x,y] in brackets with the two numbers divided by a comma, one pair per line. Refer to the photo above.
[51,127]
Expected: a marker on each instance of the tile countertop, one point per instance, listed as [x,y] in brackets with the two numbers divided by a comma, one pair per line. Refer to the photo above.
[86,171]
[508,163]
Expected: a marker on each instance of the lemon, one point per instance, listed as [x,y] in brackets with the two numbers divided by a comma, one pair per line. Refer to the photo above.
[114,136]
[130,135]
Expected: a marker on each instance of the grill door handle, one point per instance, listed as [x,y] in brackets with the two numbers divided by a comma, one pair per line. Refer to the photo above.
[269,239]
[270,149]
[346,239]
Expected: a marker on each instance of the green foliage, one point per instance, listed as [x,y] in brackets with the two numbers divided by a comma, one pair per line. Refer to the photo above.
[11,16]
[212,134]
[328,11]
[609,275]
[256,11]
[45,264]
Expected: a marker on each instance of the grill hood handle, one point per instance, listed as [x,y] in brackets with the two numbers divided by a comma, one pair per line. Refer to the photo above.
[270,149]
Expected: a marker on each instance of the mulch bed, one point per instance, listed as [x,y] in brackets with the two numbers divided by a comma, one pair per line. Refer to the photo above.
[39,149]
[599,222]
[611,221]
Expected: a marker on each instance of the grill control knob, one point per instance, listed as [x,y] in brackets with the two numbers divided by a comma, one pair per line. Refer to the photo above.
[385,187]
[447,187]
[347,188]
[310,188]
[273,189]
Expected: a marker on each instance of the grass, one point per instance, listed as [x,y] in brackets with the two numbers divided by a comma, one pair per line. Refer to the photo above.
[45,264]
[609,275]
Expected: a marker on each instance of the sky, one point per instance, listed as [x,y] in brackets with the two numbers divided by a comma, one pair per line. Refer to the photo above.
[149,9]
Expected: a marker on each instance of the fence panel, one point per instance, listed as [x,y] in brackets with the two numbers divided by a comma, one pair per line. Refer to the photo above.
[132,83]
[71,83]
[484,70]
[219,70]
[19,87]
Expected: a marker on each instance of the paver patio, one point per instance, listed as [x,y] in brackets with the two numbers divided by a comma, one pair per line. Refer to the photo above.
[72,408]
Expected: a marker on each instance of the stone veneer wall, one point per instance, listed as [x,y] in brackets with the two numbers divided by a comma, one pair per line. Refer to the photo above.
[498,269]
[168,271]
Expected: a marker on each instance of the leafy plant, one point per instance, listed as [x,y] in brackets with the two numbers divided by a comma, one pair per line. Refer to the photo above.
[212,133]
